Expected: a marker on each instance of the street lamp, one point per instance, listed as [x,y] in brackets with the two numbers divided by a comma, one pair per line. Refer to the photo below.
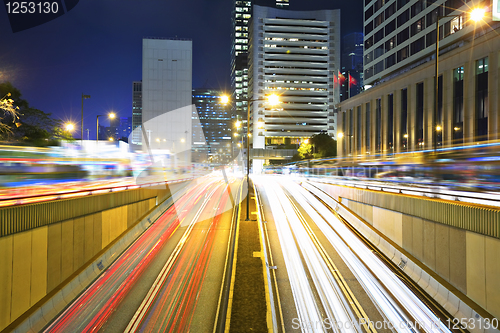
[83,97]
[224,99]
[476,15]
[272,99]
[110,116]
[69,127]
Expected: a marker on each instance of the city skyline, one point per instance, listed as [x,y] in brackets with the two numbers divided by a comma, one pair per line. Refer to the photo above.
[95,49]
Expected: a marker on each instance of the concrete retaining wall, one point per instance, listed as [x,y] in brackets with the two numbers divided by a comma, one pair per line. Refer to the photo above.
[465,259]
[35,262]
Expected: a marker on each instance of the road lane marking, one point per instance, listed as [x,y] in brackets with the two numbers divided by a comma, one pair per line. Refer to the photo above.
[146,303]
[233,273]
[358,309]
[225,266]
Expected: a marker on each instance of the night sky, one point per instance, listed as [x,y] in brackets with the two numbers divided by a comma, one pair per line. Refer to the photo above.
[96,49]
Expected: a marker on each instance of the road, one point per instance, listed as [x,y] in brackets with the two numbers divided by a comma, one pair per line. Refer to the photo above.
[327,279]
[170,278]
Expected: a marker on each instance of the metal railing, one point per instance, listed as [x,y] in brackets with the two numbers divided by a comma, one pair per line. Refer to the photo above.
[19,218]
[477,218]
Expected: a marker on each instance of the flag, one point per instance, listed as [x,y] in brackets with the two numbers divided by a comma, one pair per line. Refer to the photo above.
[352,81]
[341,79]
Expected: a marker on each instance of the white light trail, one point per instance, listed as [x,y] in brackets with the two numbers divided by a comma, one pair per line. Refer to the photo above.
[292,232]
[421,314]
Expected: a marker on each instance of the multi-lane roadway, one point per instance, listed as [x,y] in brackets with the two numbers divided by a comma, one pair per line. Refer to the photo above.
[324,277]
[170,279]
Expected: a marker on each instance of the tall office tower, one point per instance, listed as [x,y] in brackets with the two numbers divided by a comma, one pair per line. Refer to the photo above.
[167,96]
[295,55]
[136,112]
[239,56]
[282,4]
[352,65]
[241,15]
[212,133]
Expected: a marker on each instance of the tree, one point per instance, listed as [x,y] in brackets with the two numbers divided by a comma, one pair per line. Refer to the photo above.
[29,125]
[38,128]
[10,112]
[305,150]
[324,145]
[318,146]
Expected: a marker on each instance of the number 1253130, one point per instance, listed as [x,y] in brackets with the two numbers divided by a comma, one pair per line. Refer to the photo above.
[32,7]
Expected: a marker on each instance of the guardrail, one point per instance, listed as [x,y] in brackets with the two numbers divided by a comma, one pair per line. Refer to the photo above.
[480,198]
[474,217]
[29,199]
[35,212]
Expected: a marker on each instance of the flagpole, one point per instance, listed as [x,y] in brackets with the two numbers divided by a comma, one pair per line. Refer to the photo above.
[348,84]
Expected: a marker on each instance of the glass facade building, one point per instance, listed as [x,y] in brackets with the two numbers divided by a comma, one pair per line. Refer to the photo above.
[136,111]
[400,32]
[211,128]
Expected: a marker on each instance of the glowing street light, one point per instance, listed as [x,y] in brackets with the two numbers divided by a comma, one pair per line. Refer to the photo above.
[111,139]
[340,135]
[69,127]
[111,115]
[477,14]
[224,99]
[273,99]
[238,124]
[438,128]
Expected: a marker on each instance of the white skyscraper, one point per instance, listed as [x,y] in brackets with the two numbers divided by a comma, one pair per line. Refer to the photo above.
[166,96]
[296,55]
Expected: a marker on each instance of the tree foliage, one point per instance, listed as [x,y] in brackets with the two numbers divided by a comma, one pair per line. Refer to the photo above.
[318,146]
[324,145]
[29,125]
[305,151]
[9,112]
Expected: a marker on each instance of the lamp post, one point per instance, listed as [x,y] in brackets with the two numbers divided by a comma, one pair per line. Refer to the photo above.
[272,100]
[83,97]
[110,116]
[476,15]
